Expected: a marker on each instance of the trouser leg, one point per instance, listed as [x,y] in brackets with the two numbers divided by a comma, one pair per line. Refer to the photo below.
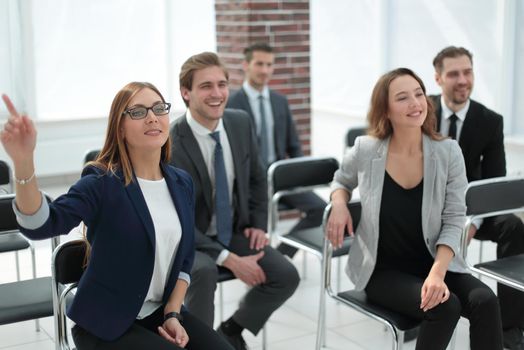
[400,292]
[200,296]
[262,300]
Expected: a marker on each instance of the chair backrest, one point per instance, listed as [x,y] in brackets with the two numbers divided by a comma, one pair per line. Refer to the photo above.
[492,197]
[68,261]
[302,173]
[67,267]
[5,178]
[91,155]
[7,215]
[353,133]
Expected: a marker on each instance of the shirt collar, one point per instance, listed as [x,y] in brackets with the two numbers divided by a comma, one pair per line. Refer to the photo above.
[253,93]
[461,113]
[198,128]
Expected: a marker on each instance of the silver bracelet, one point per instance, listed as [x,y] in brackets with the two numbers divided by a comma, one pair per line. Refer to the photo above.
[24,181]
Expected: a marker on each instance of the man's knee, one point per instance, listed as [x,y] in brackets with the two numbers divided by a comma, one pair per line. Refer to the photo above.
[289,278]
[204,271]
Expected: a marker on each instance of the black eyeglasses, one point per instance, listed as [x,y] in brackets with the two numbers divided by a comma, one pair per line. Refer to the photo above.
[141,112]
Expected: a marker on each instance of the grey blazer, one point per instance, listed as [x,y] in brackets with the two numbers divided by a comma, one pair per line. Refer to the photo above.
[443,202]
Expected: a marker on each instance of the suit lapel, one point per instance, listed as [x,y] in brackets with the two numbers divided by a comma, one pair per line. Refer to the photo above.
[378,168]
[430,169]
[246,104]
[438,111]
[278,128]
[180,198]
[235,144]
[467,133]
[137,198]
[190,144]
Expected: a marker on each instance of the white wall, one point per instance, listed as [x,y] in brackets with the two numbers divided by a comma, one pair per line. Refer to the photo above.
[84,52]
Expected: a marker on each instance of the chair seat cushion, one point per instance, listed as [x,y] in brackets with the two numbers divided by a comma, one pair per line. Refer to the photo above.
[225,274]
[12,241]
[25,300]
[360,299]
[313,238]
[511,268]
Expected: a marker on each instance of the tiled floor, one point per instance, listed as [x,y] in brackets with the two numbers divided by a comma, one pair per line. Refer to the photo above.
[293,326]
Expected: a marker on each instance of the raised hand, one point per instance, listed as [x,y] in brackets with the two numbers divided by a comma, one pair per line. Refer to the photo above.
[18,135]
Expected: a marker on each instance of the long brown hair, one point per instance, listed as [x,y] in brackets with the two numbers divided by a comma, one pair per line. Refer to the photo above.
[114,155]
[379,123]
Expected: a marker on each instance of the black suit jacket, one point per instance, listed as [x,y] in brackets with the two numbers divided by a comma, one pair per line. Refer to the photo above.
[481,141]
[250,186]
[285,135]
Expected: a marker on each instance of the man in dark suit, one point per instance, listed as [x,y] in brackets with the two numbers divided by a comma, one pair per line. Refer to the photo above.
[276,134]
[480,134]
[218,149]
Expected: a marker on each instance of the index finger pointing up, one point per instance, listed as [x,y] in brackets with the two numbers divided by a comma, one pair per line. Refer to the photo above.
[10,107]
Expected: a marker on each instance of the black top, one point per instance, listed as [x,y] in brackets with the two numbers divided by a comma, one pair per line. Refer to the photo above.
[401,242]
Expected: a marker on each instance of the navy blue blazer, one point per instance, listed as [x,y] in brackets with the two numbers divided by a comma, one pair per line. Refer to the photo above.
[121,233]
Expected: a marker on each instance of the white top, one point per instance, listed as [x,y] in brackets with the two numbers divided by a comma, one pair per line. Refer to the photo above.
[168,233]
[207,147]
[253,97]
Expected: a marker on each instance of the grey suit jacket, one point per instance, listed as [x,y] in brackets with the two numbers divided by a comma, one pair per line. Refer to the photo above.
[250,187]
[443,202]
[286,139]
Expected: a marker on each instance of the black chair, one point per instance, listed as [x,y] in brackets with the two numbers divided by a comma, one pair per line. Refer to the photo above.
[67,267]
[297,175]
[91,155]
[493,197]
[357,300]
[6,182]
[27,299]
[353,133]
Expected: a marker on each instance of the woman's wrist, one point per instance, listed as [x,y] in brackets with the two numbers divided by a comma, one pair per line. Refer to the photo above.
[173,314]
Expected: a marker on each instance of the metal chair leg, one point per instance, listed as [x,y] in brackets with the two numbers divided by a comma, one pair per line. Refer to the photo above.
[264,337]
[17,259]
[33,262]
[304,265]
[221,301]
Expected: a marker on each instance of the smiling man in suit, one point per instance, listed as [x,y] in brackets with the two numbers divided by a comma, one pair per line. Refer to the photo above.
[480,134]
[218,148]
[276,133]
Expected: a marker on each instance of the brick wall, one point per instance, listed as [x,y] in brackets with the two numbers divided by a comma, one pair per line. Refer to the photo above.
[284,24]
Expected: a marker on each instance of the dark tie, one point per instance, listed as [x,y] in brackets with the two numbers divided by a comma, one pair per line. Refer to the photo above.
[222,207]
[262,137]
[453,126]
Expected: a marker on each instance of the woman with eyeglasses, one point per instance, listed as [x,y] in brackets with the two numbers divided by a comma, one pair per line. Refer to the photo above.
[405,254]
[139,214]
